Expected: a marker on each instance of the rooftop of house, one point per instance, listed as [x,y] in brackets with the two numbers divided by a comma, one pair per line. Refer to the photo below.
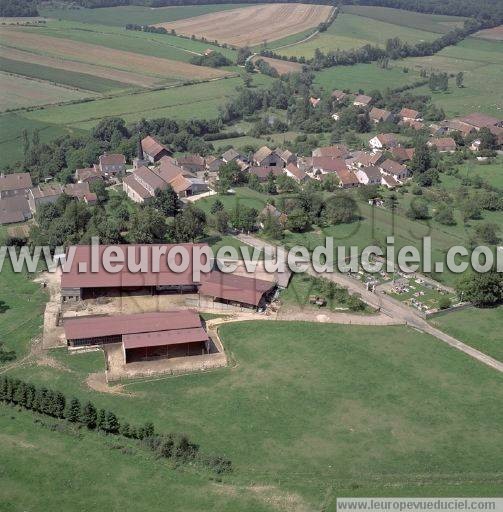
[339,95]
[328,164]
[409,113]
[152,147]
[393,167]
[346,177]
[371,171]
[262,153]
[442,142]
[479,120]
[230,154]
[363,99]
[14,209]
[379,114]
[293,169]
[264,171]
[112,159]
[190,160]
[77,189]
[336,151]
[139,189]
[48,190]
[15,181]
[150,178]
[386,138]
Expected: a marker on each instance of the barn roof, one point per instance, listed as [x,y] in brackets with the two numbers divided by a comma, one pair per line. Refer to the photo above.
[162,338]
[246,290]
[76,277]
[97,326]
[152,147]
[15,181]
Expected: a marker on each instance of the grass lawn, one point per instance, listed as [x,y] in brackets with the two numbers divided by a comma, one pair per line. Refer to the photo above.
[315,411]
[480,328]
[490,172]
[122,15]
[22,305]
[242,196]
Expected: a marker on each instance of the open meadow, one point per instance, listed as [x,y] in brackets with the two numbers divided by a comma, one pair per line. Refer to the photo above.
[305,414]
[266,22]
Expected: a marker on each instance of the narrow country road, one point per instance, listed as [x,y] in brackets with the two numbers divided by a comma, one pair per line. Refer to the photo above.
[394,309]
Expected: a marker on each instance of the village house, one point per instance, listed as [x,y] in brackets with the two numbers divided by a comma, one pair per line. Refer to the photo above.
[327,165]
[15,184]
[401,154]
[288,157]
[112,164]
[213,163]
[77,190]
[412,123]
[88,175]
[408,114]
[369,175]
[336,151]
[230,155]
[45,194]
[262,173]
[191,163]
[339,95]
[449,126]
[395,169]
[89,198]
[142,184]
[270,209]
[379,115]
[266,157]
[347,178]
[292,171]
[443,144]
[365,158]
[383,141]
[479,121]
[14,209]
[362,100]
[153,150]
[389,181]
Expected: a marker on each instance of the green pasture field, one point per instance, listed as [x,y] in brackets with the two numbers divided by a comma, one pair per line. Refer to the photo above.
[482,64]
[367,77]
[278,43]
[118,38]
[185,102]
[243,196]
[11,131]
[17,92]
[21,308]
[61,76]
[479,328]
[420,21]
[122,15]
[352,31]
[305,412]
[492,173]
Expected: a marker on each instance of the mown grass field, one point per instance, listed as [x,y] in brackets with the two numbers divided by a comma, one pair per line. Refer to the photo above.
[480,328]
[354,30]
[309,412]
[492,173]
[122,15]
[482,64]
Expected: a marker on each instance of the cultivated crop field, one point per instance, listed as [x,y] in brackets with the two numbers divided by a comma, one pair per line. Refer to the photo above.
[18,92]
[262,22]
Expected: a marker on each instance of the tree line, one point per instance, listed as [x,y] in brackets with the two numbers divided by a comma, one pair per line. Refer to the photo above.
[56,405]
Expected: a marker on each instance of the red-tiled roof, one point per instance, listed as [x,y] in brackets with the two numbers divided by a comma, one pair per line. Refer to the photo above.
[363,99]
[263,172]
[443,143]
[152,147]
[379,114]
[162,338]
[246,290]
[15,181]
[78,278]
[97,326]
[337,151]
[112,159]
[408,113]
[346,177]
[328,164]
[480,120]
[137,187]
[77,189]
[293,169]
[393,167]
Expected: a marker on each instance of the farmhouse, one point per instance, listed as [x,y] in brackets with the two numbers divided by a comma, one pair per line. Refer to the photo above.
[236,290]
[383,140]
[347,179]
[478,121]
[395,169]
[191,163]
[362,100]
[112,164]
[412,123]
[14,209]
[389,181]
[287,156]
[262,173]
[230,155]
[43,195]
[364,158]
[443,145]
[144,336]
[326,165]
[408,114]
[153,150]
[401,154]
[213,164]
[292,171]
[339,95]
[77,190]
[84,280]
[337,151]
[88,175]
[369,175]
[274,212]
[266,157]
[379,115]
[16,184]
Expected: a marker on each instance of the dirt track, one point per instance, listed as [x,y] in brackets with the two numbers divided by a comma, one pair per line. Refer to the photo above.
[249,26]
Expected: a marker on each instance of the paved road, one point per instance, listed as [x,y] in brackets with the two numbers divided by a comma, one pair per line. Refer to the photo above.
[394,309]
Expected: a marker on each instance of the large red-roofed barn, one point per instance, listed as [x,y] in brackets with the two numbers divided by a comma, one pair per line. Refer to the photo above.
[144,336]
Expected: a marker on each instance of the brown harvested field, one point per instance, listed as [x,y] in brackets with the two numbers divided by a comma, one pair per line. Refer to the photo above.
[249,26]
[95,54]
[493,34]
[281,66]
[125,77]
